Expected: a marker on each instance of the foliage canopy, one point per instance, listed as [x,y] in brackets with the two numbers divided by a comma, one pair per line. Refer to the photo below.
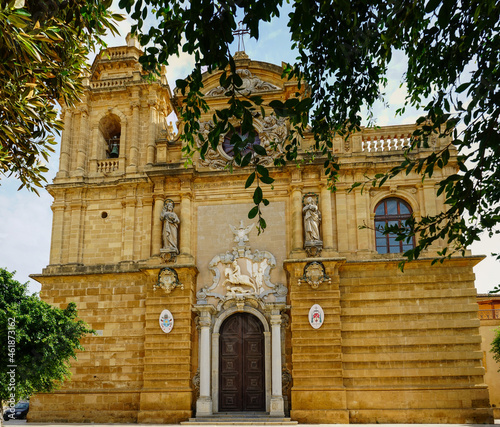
[43,49]
[345,48]
[38,340]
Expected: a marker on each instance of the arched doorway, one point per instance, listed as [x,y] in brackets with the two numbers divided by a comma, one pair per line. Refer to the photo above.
[241,364]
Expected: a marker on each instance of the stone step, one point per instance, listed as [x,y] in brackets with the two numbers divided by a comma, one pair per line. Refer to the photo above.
[240,418]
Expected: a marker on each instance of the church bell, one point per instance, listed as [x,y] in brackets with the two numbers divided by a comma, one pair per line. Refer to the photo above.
[113,154]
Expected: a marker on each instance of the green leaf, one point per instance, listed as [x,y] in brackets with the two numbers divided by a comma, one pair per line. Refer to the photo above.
[250,180]
[266,179]
[253,212]
[260,150]
[257,195]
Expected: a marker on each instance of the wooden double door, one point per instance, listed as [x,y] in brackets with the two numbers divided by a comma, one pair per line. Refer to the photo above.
[241,367]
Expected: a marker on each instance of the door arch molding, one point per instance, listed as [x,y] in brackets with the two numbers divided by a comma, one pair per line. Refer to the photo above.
[215,351]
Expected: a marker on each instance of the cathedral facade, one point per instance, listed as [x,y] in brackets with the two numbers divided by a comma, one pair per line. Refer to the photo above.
[197,315]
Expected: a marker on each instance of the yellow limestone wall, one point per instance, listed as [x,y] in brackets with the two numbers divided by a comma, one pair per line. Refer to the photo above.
[318,393]
[133,372]
[492,367]
[395,347]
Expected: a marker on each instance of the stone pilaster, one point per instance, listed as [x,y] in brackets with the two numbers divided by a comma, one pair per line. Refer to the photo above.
[167,391]
[151,148]
[134,150]
[297,222]
[157,226]
[65,145]
[186,224]
[327,219]
[318,394]
[81,157]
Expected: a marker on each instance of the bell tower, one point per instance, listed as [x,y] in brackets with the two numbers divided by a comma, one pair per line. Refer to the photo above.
[113,131]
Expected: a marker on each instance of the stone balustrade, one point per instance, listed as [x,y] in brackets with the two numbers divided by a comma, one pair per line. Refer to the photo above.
[122,52]
[108,84]
[385,143]
[384,139]
[108,165]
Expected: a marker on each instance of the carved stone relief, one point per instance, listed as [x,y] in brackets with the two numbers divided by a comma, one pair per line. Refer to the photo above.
[251,84]
[286,380]
[242,275]
[168,280]
[272,134]
[196,383]
[314,275]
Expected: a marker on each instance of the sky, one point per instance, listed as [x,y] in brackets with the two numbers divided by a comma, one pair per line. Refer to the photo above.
[26,219]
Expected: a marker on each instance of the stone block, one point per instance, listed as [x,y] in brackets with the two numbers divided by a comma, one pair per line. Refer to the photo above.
[312,416]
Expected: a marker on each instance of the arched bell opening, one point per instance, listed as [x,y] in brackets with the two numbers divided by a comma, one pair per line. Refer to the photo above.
[110,132]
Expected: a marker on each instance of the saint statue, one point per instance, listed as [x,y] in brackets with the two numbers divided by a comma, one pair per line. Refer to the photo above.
[170,226]
[312,218]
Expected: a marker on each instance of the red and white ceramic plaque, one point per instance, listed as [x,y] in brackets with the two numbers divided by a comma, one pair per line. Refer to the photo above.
[166,321]
[316,316]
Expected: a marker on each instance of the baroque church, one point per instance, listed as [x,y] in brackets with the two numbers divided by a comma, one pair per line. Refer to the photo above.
[199,317]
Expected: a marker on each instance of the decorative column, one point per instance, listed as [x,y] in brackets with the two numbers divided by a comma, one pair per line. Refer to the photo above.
[128,220]
[58,208]
[297,233]
[204,402]
[76,209]
[147,213]
[134,150]
[150,155]
[95,155]
[65,144]
[156,233]
[185,254]
[81,155]
[277,406]
[342,219]
[327,223]
[318,394]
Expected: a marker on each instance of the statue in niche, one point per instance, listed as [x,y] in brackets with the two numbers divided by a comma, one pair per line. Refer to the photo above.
[312,218]
[170,227]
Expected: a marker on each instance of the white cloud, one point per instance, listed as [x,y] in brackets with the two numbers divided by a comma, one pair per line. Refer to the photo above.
[26,222]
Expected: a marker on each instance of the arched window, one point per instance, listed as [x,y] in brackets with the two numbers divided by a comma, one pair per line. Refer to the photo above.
[389,212]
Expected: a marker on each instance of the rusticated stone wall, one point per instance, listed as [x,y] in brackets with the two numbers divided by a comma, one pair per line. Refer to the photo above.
[396,347]
[131,371]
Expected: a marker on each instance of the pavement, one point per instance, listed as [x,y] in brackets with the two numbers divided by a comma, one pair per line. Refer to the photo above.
[17,422]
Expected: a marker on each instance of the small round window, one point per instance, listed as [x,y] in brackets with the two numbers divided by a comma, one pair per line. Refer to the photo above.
[228,145]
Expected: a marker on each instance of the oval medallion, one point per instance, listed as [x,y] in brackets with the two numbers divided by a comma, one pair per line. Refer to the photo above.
[316,316]
[166,321]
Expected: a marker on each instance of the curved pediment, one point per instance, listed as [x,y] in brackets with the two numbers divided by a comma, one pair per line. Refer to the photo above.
[258,77]
[252,84]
